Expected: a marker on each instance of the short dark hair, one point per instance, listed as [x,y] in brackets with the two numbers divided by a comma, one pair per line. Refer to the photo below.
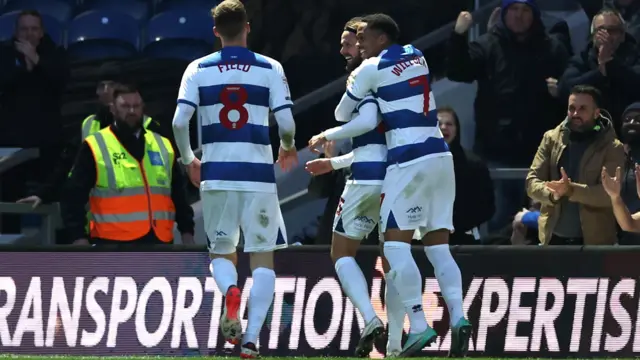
[121,89]
[595,94]
[385,24]
[29,12]
[229,18]
[450,110]
[352,24]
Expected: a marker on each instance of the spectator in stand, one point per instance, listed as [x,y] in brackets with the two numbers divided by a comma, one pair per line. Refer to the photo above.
[515,65]
[610,63]
[629,9]
[33,76]
[565,175]
[474,203]
[630,136]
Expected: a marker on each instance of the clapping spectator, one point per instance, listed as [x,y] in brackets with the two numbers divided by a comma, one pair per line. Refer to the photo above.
[630,136]
[515,65]
[474,203]
[565,175]
[610,63]
[33,75]
[628,9]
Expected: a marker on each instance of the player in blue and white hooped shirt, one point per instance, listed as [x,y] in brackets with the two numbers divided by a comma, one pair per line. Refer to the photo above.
[233,91]
[359,207]
[419,188]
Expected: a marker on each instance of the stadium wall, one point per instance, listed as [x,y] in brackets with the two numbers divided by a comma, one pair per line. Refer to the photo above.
[523,301]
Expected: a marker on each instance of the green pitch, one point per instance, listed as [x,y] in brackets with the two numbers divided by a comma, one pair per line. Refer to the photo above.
[25,357]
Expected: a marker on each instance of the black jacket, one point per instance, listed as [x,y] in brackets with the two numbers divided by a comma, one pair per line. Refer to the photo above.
[30,101]
[475,203]
[83,179]
[50,190]
[513,107]
[619,87]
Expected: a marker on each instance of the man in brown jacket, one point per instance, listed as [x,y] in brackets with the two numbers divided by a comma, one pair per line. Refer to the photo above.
[565,175]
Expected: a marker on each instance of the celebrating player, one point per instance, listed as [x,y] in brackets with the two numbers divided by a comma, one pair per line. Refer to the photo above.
[419,189]
[233,90]
[359,208]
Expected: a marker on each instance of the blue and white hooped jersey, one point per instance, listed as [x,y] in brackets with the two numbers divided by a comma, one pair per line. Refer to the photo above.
[369,153]
[233,90]
[399,80]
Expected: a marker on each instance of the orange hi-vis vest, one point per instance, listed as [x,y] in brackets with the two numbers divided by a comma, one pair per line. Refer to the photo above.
[131,198]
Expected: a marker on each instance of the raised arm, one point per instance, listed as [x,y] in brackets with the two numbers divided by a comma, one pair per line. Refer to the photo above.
[359,84]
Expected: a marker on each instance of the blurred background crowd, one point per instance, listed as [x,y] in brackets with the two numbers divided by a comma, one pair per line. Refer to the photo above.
[60,61]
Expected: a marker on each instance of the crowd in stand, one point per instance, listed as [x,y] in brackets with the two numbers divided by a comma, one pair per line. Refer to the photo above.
[525,76]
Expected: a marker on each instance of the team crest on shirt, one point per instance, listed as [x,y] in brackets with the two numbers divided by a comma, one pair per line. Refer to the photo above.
[350,79]
[155,158]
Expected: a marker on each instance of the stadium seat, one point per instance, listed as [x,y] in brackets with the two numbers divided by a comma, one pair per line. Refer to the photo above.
[137,9]
[181,33]
[51,25]
[59,10]
[100,34]
[204,5]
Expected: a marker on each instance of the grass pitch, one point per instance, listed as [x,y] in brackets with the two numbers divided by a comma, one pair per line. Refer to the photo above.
[27,357]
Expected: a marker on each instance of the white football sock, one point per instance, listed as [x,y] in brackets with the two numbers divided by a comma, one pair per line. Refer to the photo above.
[395,312]
[355,286]
[408,282]
[448,274]
[260,299]
[224,273]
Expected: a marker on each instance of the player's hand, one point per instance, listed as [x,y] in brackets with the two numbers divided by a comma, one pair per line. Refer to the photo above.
[463,23]
[329,149]
[316,143]
[33,199]
[193,170]
[287,158]
[611,184]
[318,166]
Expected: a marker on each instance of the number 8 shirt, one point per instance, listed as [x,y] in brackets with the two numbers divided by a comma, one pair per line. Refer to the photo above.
[234,89]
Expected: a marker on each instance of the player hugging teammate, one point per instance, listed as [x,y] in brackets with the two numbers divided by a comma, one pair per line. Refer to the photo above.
[417,192]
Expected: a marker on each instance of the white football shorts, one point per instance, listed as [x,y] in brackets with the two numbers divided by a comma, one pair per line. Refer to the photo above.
[419,196]
[358,211]
[257,214]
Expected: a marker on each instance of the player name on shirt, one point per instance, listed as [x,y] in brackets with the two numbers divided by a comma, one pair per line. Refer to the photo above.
[402,66]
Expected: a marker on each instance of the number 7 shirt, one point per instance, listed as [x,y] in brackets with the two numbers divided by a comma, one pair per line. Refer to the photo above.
[234,90]
[399,79]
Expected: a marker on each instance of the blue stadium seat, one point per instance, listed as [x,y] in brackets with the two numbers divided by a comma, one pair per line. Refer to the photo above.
[51,26]
[59,10]
[182,33]
[205,5]
[137,9]
[100,34]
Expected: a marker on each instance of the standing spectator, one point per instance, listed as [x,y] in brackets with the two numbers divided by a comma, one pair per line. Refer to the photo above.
[474,203]
[630,136]
[565,175]
[33,76]
[610,63]
[515,65]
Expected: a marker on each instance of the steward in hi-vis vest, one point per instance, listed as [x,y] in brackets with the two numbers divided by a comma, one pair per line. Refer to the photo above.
[129,177]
